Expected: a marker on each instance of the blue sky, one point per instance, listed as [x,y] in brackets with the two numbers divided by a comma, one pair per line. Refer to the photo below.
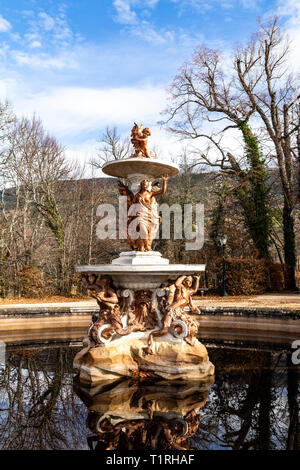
[83,65]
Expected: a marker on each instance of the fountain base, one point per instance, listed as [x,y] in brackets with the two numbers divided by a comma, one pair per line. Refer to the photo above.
[171,358]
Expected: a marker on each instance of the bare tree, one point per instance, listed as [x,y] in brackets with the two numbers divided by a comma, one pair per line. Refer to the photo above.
[206,105]
[7,119]
[263,76]
[21,233]
[38,162]
[112,147]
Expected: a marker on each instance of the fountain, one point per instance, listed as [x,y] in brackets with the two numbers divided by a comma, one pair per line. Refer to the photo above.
[143,329]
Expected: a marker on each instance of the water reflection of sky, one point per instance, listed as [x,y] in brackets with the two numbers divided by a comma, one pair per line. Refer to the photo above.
[252,404]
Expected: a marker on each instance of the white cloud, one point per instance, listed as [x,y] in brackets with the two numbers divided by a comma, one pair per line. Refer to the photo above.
[124,13]
[47,43]
[69,111]
[83,153]
[46,21]
[200,5]
[77,116]
[203,6]
[35,44]
[8,88]
[227,4]
[52,31]
[151,35]
[27,13]
[5,25]
[250,3]
[140,27]
[289,10]
[150,3]
[45,61]
[15,37]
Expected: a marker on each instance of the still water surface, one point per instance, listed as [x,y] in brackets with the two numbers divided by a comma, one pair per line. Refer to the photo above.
[252,403]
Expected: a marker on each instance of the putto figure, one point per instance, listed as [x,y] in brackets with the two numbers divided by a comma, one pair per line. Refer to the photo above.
[109,315]
[139,139]
[181,292]
[180,296]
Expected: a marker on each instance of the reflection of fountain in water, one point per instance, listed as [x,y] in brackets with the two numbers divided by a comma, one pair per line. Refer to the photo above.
[129,415]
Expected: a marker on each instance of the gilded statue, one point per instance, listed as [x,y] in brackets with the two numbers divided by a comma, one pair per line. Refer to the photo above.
[142,215]
[109,313]
[140,314]
[180,296]
[180,293]
[139,139]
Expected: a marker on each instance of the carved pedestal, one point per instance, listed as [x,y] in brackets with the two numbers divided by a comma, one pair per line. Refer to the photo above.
[143,333]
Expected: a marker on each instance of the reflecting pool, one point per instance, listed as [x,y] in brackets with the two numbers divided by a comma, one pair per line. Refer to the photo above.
[251,403]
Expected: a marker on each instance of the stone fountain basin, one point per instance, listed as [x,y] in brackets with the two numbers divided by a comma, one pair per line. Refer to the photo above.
[141,276]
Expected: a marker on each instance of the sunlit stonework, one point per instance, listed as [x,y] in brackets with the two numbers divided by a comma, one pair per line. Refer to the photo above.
[144,327]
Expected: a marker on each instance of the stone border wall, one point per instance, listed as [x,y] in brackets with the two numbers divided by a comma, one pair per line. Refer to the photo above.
[257,312]
[43,311]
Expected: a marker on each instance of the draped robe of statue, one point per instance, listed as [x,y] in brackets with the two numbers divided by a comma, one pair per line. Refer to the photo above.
[143,216]
[146,220]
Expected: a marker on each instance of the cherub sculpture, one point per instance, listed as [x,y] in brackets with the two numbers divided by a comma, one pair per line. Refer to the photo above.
[139,139]
[109,313]
[180,293]
[180,296]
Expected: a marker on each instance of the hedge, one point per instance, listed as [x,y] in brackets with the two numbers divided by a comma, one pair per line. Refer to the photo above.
[244,276]
[280,276]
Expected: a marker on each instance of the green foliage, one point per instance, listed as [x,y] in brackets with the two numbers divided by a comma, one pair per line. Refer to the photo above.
[218,214]
[289,238]
[253,193]
[54,221]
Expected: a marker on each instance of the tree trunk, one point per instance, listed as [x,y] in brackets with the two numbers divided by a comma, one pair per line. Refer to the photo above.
[254,193]
[289,241]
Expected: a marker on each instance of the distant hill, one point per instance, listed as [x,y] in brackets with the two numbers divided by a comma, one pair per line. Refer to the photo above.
[203,184]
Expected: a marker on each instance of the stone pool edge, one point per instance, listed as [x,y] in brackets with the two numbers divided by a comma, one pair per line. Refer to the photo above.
[242,318]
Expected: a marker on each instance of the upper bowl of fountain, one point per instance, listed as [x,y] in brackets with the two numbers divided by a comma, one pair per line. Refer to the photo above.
[150,168]
[142,164]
